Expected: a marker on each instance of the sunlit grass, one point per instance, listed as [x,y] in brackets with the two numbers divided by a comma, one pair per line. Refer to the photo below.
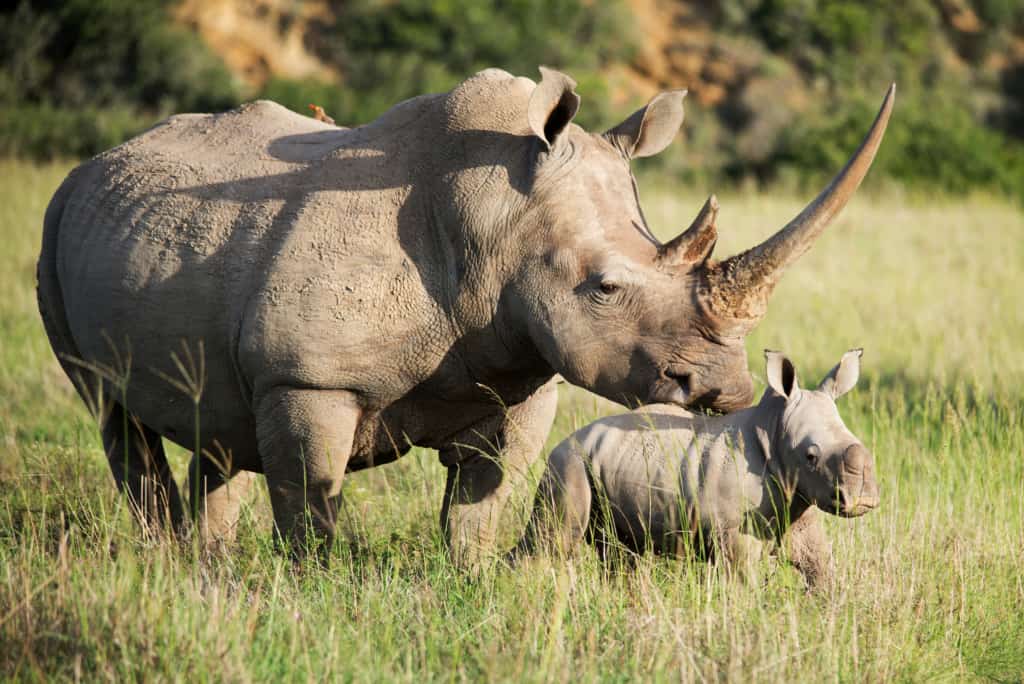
[928,586]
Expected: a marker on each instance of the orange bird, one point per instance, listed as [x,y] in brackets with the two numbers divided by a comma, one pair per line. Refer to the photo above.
[320,115]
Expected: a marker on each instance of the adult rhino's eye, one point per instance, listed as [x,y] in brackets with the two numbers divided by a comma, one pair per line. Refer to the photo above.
[608,288]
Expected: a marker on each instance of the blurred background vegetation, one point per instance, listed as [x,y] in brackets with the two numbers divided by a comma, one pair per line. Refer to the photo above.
[781,90]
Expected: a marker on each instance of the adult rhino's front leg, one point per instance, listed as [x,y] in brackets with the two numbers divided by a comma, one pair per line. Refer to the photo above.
[486,466]
[305,440]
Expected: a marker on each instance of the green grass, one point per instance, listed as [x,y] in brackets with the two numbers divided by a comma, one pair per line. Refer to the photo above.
[929,586]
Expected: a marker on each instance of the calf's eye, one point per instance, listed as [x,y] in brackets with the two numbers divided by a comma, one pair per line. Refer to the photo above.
[812,455]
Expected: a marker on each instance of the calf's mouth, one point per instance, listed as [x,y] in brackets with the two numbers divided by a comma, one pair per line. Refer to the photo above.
[850,505]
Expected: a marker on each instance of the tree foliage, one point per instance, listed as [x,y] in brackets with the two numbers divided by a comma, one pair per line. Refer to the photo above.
[957,126]
[79,76]
[391,51]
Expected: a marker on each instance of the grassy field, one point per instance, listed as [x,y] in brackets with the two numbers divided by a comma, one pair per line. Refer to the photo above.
[929,586]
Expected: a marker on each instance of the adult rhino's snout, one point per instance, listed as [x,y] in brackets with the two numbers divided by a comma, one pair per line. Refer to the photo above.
[730,392]
[858,488]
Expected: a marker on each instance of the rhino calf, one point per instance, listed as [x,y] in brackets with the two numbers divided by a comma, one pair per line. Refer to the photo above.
[669,480]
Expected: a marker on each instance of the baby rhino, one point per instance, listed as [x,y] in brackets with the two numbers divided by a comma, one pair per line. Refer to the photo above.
[669,480]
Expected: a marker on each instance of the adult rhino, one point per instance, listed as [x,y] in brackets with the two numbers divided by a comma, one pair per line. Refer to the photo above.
[418,280]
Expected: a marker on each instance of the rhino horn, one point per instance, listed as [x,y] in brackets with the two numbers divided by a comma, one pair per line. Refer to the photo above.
[695,244]
[740,285]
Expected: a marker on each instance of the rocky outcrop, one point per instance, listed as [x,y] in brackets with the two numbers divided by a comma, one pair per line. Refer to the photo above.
[259,39]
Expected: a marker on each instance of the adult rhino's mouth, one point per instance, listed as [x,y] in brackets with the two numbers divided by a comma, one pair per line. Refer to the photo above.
[683,388]
[672,388]
[682,394]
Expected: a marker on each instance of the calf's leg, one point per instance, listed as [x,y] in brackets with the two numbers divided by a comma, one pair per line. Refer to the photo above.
[561,509]
[743,554]
[809,549]
[216,492]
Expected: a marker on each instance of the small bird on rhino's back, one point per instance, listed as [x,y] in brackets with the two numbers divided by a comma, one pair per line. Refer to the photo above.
[320,115]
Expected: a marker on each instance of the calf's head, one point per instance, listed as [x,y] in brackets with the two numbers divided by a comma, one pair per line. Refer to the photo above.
[830,466]
[612,308]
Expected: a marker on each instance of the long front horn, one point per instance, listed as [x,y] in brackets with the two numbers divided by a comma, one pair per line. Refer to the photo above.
[740,285]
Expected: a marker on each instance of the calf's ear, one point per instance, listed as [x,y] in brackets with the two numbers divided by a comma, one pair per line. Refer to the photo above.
[781,374]
[552,106]
[843,377]
[649,130]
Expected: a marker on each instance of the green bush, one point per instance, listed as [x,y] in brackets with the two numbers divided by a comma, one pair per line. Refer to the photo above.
[930,142]
[113,66]
[846,42]
[953,127]
[392,51]
[78,76]
[43,131]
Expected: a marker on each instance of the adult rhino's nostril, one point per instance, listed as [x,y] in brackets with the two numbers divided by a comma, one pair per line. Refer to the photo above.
[681,379]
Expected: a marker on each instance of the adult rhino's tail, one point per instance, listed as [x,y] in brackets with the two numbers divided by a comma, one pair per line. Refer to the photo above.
[48,289]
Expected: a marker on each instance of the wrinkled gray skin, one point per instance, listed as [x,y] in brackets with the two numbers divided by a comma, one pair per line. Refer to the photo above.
[664,478]
[419,280]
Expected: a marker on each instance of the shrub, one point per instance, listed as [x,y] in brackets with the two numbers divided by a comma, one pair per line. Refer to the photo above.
[79,76]
[392,51]
[931,142]
[44,131]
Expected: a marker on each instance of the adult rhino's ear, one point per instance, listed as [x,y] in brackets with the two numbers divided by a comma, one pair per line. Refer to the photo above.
[781,374]
[649,130]
[552,106]
[843,377]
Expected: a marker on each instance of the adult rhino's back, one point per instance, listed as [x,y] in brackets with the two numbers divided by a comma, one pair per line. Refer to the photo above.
[172,236]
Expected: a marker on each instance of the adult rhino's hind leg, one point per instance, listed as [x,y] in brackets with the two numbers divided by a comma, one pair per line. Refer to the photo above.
[216,492]
[139,465]
[480,482]
[135,452]
[305,440]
